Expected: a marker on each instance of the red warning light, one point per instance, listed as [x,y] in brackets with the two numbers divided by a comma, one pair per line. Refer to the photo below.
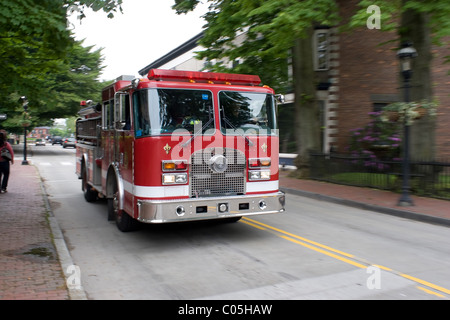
[208,77]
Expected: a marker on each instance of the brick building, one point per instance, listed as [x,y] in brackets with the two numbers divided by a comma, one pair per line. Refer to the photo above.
[357,73]
[40,132]
[364,67]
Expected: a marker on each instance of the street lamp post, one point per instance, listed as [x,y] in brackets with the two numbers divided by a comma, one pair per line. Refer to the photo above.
[406,54]
[25,108]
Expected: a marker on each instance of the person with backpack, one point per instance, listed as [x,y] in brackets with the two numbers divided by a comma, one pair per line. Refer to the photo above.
[7,156]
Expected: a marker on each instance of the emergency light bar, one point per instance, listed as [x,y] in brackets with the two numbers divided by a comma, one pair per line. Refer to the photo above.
[88,108]
[196,76]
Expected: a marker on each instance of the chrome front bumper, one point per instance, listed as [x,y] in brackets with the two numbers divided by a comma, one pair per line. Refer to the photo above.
[164,211]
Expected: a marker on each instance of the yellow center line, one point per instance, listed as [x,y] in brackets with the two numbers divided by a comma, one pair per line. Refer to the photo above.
[430,292]
[300,238]
[425,283]
[383,268]
[253,225]
[317,247]
[359,265]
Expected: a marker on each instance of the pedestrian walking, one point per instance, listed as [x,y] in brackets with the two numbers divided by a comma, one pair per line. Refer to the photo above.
[7,157]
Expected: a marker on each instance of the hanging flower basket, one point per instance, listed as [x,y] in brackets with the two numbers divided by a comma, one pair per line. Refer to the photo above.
[393,116]
[26,120]
[422,112]
[402,111]
[25,123]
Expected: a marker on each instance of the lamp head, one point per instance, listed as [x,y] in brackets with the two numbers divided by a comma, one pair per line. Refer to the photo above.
[406,54]
[24,101]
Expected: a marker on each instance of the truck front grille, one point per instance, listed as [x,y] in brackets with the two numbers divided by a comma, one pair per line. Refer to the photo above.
[204,181]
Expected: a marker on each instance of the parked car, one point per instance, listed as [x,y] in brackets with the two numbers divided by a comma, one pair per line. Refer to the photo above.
[57,140]
[69,142]
[40,142]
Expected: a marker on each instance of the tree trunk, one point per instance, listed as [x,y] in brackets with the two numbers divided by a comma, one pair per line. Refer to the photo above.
[307,131]
[414,28]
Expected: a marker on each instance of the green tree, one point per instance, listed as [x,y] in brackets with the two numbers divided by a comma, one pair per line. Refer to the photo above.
[57,93]
[41,60]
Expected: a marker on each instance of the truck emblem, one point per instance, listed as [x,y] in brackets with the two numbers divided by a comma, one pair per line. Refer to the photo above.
[218,163]
[167,148]
[264,147]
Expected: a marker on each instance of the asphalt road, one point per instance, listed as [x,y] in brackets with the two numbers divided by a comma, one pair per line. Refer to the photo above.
[315,250]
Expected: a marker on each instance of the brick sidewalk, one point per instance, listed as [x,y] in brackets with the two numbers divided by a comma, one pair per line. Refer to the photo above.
[30,269]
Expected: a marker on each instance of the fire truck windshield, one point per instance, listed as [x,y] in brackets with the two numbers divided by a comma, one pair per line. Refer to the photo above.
[162,111]
[254,113]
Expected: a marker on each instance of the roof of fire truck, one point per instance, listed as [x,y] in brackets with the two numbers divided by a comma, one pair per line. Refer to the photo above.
[160,77]
[203,77]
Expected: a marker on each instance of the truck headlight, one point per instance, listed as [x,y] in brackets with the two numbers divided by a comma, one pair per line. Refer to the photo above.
[259,175]
[174,178]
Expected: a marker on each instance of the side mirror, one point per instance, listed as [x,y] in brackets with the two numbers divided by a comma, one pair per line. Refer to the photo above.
[280,98]
[120,125]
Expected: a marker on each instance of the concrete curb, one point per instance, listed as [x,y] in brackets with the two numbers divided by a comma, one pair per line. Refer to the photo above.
[391,211]
[64,257]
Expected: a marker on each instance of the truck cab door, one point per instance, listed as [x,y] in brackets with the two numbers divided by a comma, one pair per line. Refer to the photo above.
[122,129]
[107,134]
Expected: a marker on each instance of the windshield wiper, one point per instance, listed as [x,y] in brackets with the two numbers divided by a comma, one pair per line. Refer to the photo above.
[197,132]
[250,143]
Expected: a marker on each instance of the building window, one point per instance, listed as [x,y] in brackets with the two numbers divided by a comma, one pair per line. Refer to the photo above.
[378,106]
[321,50]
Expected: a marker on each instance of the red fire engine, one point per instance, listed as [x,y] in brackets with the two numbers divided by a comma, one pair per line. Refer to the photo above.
[181,146]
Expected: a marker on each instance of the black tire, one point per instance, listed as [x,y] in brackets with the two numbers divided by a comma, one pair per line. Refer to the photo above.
[90,195]
[124,221]
[111,213]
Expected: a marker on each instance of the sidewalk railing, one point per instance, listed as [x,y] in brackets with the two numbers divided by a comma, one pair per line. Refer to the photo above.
[427,178]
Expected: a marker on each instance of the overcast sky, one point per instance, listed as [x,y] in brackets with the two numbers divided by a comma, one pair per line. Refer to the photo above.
[147,30]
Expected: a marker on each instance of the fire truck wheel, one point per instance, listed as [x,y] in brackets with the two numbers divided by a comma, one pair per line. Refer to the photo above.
[113,207]
[111,214]
[124,222]
[90,195]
